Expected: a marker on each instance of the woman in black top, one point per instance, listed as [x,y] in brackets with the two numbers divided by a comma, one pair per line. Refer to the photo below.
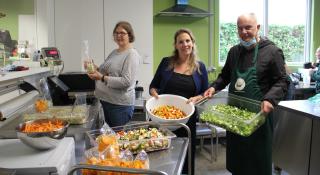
[182,74]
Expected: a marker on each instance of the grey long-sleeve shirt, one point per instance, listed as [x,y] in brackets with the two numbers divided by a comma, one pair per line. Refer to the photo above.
[121,69]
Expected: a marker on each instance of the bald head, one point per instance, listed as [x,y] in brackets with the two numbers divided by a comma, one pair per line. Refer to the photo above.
[248,27]
[248,17]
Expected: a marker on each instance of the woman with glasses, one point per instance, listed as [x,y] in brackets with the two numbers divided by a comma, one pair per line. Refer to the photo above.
[116,77]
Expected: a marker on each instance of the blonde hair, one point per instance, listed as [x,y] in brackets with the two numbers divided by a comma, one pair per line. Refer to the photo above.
[193,59]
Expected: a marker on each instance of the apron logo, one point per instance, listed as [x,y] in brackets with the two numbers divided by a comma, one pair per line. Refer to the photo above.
[240,84]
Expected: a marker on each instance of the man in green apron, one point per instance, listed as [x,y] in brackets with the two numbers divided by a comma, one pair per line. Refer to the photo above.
[254,69]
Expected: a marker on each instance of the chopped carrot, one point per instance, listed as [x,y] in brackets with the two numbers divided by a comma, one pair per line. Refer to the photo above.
[105,140]
[43,126]
[41,105]
[169,112]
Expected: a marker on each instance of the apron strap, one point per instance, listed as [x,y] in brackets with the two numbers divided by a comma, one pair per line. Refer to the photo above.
[255,56]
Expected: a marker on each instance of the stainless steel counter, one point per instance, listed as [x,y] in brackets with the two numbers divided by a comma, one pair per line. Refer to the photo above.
[93,121]
[296,145]
[169,161]
[8,133]
[302,107]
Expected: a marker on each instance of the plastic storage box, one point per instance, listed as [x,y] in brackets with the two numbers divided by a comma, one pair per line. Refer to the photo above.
[232,123]
[76,115]
[137,139]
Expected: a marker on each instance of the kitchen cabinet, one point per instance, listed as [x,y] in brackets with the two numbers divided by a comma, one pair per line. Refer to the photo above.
[296,144]
[315,149]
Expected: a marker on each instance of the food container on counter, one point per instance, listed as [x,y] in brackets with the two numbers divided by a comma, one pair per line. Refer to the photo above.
[74,115]
[232,123]
[42,134]
[176,101]
[146,136]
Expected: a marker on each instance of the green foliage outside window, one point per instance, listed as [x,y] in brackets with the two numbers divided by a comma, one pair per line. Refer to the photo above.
[289,38]
[228,38]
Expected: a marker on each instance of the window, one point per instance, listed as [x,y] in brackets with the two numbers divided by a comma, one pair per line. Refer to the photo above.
[289,30]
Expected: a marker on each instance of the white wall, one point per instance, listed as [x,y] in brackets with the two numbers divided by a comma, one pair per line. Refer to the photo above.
[26,32]
[40,25]
[75,21]
[44,23]
[27,28]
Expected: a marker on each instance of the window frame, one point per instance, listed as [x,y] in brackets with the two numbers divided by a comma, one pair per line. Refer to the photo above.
[265,31]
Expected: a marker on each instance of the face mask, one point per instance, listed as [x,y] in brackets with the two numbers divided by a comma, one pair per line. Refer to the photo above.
[248,44]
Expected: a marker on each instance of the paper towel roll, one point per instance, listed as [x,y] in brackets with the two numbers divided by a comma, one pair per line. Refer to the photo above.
[14,105]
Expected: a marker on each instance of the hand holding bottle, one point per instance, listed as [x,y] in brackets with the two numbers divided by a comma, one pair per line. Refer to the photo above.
[89,66]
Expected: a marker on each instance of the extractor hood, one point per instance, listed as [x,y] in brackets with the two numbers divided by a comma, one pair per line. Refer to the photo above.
[183,9]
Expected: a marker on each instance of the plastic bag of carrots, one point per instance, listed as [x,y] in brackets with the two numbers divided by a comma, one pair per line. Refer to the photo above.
[125,160]
[41,105]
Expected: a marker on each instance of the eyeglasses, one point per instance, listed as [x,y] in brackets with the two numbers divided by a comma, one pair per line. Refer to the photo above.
[119,34]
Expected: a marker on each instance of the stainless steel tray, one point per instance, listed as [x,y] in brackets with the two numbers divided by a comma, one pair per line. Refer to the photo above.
[135,145]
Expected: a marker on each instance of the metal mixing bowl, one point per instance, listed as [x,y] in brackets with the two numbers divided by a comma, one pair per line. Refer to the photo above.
[42,140]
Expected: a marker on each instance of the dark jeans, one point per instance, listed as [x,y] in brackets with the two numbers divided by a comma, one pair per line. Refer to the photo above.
[116,115]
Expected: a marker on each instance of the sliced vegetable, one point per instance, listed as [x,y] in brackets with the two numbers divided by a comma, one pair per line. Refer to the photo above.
[41,105]
[43,126]
[239,121]
[169,112]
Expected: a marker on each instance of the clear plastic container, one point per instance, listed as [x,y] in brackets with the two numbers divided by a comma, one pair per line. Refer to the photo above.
[235,124]
[76,115]
[138,141]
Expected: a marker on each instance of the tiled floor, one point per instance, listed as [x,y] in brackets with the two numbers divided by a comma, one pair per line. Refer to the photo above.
[204,166]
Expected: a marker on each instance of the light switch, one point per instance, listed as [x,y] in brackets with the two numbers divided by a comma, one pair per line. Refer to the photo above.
[146,59]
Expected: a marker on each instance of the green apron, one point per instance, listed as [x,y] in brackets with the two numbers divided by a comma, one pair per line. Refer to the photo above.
[249,155]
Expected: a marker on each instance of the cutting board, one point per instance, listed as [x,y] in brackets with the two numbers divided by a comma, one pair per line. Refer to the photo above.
[25,160]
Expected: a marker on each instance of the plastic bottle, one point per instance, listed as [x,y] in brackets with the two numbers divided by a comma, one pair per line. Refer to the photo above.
[36,55]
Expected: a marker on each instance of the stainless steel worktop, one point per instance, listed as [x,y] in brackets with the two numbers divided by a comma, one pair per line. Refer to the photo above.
[296,144]
[303,107]
[169,161]
[7,131]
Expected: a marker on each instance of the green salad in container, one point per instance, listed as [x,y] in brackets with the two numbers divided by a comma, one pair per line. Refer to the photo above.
[234,119]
